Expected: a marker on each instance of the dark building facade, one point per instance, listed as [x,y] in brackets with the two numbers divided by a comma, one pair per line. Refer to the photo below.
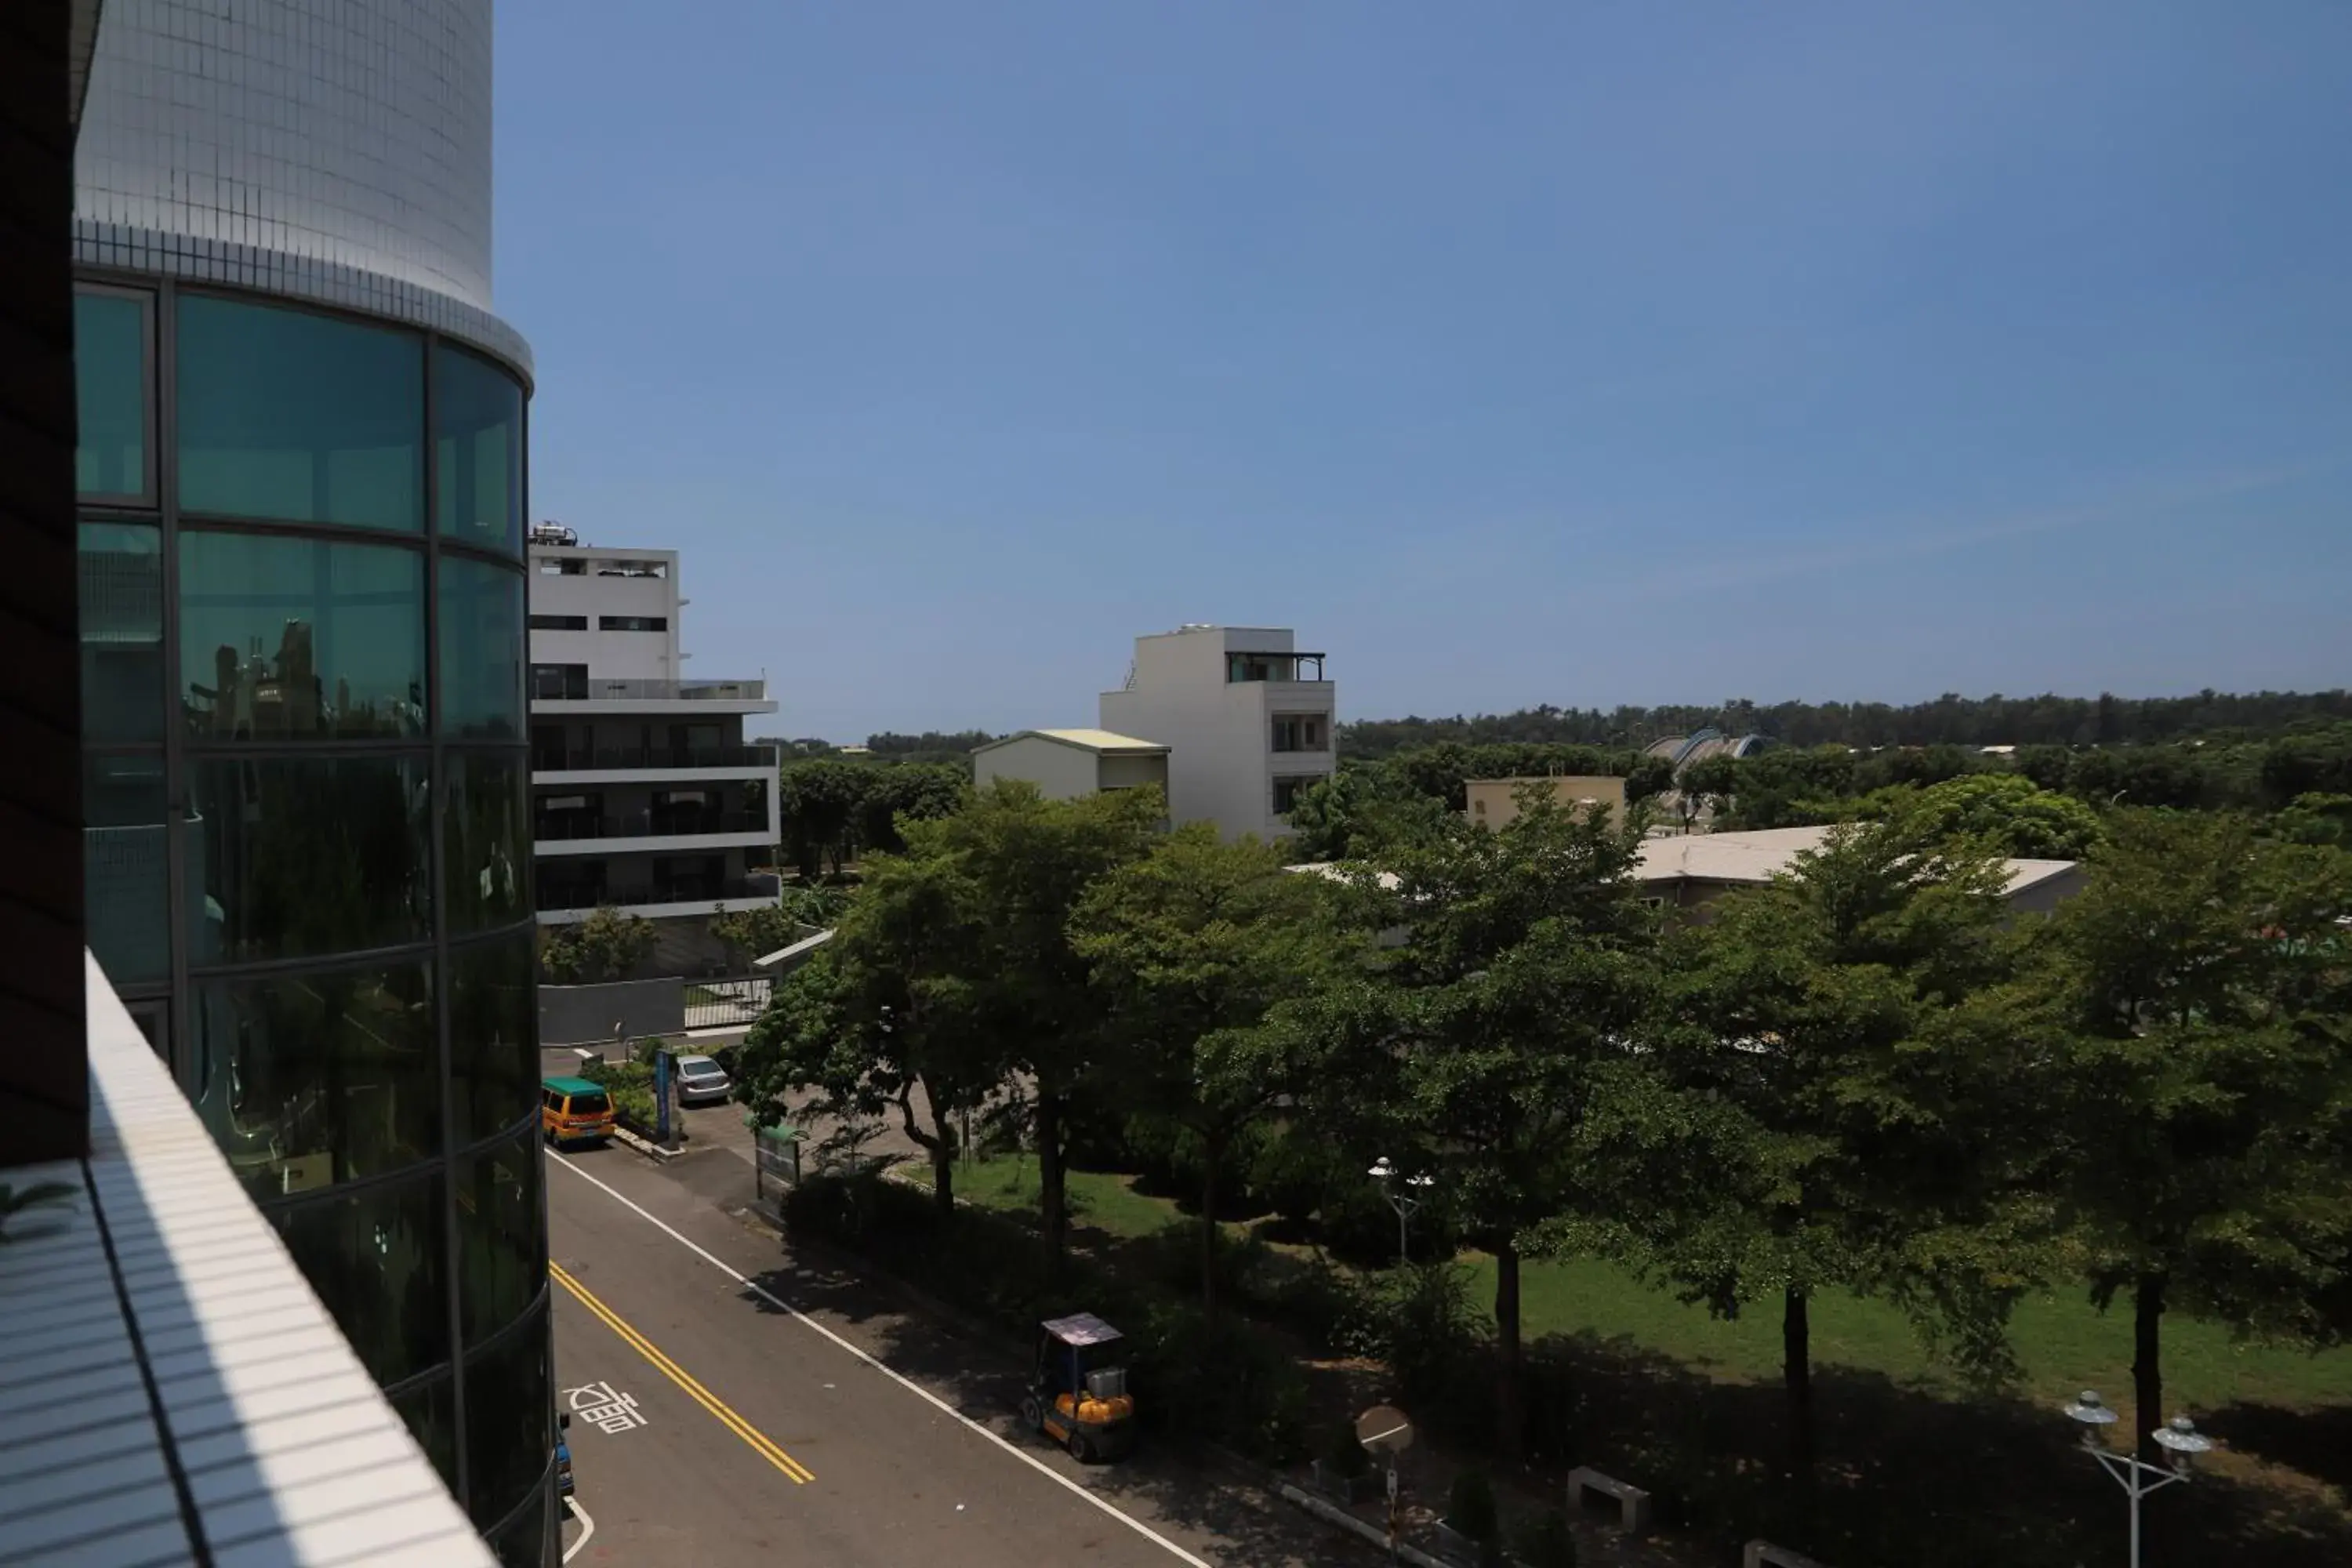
[301,476]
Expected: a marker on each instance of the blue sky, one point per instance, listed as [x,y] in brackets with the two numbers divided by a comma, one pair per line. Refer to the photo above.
[1512,352]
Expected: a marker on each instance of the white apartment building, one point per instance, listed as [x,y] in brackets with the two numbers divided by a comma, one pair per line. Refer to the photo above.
[644,793]
[1247,718]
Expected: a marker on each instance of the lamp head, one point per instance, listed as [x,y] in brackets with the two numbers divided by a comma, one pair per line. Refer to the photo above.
[1381,1170]
[2092,1414]
[2181,1442]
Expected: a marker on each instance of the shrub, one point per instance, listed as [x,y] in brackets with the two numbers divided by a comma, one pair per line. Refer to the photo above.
[1470,1506]
[1219,1381]
[1548,1542]
[1346,1455]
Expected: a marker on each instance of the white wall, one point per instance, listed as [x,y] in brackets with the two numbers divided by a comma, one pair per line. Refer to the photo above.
[1219,734]
[609,655]
[1059,772]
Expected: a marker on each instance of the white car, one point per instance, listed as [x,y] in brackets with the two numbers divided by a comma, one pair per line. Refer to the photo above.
[698,1079]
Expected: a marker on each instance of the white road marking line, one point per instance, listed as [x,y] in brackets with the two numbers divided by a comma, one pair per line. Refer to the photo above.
[908,1384]
[587,1527]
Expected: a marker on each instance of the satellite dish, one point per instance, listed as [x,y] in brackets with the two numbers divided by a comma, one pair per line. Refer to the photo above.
[1384,1430]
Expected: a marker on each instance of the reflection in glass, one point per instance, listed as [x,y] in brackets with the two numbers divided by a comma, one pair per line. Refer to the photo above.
[310,855]
[494,1035]
[485,854]
[300,639]
[376,1259]
[509,1408]
[431,1411]
[126,885]
[290,414]
[111,394]
[312,1079]
[523,1544]
[477,450]
[482,641]
[121,569]
[501,1246]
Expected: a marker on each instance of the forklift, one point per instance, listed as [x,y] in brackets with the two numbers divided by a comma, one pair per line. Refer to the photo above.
[1077,1395]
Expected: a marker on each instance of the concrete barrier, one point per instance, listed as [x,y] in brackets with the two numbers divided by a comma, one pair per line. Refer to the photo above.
[1764,1554]
[596,1014]
[1633,1503]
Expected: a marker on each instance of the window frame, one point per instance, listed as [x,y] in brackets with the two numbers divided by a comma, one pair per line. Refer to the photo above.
[150,466]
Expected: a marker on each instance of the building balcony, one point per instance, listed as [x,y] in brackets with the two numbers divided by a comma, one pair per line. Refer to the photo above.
[647,825]
[650,759]
[562,902]
[546,688]
[160,1333]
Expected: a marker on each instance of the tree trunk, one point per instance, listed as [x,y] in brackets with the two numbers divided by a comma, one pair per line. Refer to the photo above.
[1209,1228]
[1051,1198]
[1797,1376]
[1510,1418]
[943,1154]
[2147,1367]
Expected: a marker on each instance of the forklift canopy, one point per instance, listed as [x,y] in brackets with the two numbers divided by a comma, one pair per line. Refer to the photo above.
[1081,1329]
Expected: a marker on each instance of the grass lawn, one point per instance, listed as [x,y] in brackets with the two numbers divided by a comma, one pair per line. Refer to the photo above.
[2064,1344]
[2063,1341]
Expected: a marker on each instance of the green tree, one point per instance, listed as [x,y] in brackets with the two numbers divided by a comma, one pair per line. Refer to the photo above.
[2211,1128]
[917,792]
[1528,966]
[818,802]
[608,945]
[1856,1101]
[799,910]
[2007,811]
[1357,813]
[1192,947]
[886,1016]
[1706,785]
[1030,862]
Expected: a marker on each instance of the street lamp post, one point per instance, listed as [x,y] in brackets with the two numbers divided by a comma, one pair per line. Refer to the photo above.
[1405,1193]
[2179,1438]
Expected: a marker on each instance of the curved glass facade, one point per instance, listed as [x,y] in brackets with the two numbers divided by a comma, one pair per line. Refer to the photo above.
[303,641]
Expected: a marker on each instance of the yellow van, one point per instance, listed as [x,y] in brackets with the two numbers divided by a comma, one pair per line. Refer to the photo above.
[574,1110]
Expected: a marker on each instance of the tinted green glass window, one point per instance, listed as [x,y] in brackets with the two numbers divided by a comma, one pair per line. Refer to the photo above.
[510,1405]
[484,843]
[110,379]
[523,1542]
[304,855]
[482,647]
[494,1034]
[431,1411]
[126,884]
[376,1259]
[299,639]
[306,419]
[501,1246]
[477,450]
[312,1079]
[121,570]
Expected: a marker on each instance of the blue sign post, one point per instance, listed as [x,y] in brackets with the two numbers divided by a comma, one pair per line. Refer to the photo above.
[661,1097]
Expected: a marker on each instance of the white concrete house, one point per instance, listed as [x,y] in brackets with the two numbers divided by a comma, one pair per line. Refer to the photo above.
[1066,763]
[1246,717]
[644,793]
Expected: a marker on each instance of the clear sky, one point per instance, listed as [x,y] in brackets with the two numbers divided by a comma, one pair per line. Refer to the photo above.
[1568,351]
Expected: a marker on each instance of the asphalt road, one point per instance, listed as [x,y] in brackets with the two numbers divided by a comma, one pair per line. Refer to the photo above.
[788,1412]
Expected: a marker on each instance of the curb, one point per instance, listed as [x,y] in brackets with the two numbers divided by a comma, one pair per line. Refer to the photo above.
[1332,1513]
[646,1146]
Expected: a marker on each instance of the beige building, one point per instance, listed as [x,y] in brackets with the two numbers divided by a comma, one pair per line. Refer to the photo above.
[1690,871]
[1066,763]
[1495,802]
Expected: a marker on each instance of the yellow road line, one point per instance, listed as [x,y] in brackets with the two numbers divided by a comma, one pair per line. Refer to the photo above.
[758,1441]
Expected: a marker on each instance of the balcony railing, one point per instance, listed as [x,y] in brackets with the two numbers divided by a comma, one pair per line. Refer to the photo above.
[648,825]
[578,759]
[547,688]
[675,890]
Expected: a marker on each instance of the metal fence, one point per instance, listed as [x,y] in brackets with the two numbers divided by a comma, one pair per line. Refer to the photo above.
[727,1004]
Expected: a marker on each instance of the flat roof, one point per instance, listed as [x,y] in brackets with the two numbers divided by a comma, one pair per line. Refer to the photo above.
[1085,739]
[1759,854]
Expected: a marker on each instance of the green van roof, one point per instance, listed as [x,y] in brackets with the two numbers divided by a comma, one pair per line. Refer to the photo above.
[572,1086]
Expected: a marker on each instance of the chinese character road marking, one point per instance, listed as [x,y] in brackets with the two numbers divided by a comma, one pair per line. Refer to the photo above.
[757,1441]
[602,1408]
